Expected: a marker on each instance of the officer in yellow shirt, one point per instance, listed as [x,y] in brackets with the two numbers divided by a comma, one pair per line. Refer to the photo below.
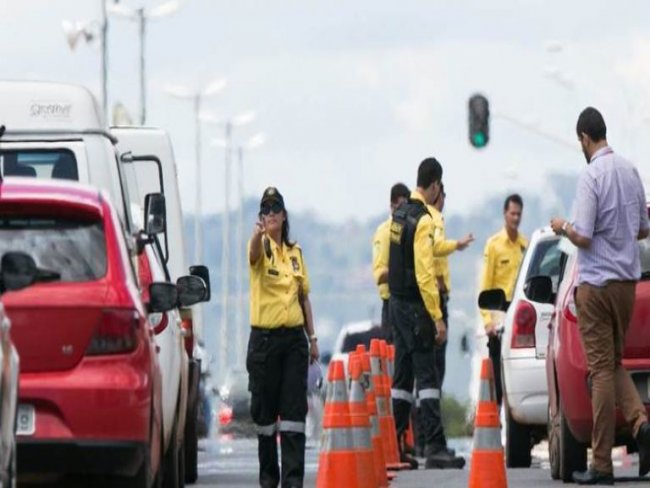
[281,342]
[399,194]
[442,248]
[502,258]
[417,319]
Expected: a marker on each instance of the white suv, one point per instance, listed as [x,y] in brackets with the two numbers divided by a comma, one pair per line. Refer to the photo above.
[523,352]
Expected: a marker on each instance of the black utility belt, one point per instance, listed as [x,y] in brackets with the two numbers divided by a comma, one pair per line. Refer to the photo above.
[409,298]
[282,330]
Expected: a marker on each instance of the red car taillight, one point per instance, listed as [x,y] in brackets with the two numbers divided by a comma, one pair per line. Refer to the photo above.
[116,333]
[225,415]
[187,325]
[523,329]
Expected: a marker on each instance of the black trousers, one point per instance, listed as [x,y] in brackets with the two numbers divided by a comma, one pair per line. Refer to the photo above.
[441,349]
[386,327]
[277,364]
[494,348]
[415,362]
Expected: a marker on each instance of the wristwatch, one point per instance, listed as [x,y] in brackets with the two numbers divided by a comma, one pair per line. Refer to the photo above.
[565,226]
[313,338]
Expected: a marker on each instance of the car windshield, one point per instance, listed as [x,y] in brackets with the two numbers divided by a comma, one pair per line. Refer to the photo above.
[58,164]
[74,249]
[546,261]
[351,341]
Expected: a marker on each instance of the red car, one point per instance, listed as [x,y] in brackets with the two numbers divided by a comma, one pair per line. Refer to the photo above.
[90,388]
[570,414]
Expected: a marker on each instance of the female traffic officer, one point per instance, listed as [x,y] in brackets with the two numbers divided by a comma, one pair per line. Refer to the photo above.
[278,348]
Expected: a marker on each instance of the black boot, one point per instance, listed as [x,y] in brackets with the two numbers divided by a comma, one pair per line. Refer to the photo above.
[405,456]
[439,457]
[643,440]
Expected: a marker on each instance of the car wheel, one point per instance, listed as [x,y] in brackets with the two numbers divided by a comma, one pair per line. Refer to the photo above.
[518,442]
[572,455]
[171,476]
[554,443]
[191,445]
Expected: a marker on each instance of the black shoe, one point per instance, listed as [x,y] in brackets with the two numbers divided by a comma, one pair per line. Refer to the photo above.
[408,459]
[443,459]
[593,477]
[643,440]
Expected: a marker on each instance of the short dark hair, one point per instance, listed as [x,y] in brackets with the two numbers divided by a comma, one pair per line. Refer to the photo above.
[591,122]
[399,190]
[514,198]
[429,172]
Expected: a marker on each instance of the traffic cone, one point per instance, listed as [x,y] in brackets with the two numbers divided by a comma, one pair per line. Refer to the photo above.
[361,423]
[487,468]
[384,404]
[409,438]
[337,464]
[371,401]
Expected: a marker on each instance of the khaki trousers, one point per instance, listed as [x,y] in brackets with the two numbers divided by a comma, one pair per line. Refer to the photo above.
[604,315]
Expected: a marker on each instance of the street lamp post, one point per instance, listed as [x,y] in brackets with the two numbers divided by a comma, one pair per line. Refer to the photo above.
[141,16]
[253,143]
[197,98]
[228,125]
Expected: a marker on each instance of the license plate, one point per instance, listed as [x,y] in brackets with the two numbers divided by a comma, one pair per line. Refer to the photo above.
[26,421]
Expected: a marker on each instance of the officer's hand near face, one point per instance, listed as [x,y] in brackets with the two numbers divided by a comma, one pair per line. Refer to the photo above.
[259,229]
[441,329]
[464,242]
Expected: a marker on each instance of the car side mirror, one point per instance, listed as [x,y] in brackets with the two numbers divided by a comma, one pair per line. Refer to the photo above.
[163,297]
[493,300]
[539,289]
[155,214]
[18,270]
[191,290]
[204,273]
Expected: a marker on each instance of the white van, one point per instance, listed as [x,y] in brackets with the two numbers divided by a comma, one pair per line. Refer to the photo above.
[145,145]
[56,130]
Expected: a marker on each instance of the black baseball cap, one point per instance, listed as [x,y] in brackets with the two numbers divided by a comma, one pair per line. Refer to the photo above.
[271,195]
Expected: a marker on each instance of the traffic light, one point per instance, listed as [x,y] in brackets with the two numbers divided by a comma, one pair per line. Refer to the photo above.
[479,121]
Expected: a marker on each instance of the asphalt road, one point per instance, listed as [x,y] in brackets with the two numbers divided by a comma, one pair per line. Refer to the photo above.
[228,462]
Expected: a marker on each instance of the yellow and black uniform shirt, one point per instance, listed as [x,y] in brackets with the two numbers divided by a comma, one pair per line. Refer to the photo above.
[276,280]
[501,261]
[442,247]
[380,253]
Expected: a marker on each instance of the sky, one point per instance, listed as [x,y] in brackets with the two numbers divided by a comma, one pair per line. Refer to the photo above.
[353,95]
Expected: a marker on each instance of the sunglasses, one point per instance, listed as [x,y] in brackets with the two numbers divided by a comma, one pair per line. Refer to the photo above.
[275,207]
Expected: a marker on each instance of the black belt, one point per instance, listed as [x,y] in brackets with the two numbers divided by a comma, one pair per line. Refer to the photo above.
[283,329]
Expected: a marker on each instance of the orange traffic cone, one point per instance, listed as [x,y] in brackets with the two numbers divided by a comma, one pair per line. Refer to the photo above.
[487,468]
[371,401]
[361,424]
[382,389]
[337,464]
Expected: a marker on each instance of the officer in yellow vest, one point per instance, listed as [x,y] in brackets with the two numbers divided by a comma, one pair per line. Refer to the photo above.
[442,248]
[399,194]
[502,258]
[281,343]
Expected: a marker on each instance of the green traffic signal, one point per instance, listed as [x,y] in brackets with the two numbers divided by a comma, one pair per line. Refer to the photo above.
[478,139]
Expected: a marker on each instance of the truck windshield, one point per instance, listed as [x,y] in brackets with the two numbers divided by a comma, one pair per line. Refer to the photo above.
[58,164]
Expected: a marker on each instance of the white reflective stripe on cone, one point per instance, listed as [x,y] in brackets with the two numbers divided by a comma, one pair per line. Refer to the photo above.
[361,438]
[357,393]
[374,424]
[337,392]
[375,366]
[336,440]
[486,392]
[401,395]
[267,430]
[429,394]
[487,438]
[291,426]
